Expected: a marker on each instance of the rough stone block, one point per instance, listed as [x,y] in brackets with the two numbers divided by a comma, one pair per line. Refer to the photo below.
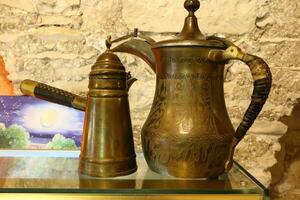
[28,5]
[217,16]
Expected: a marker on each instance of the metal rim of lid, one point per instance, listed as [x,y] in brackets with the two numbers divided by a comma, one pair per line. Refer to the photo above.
[190,43]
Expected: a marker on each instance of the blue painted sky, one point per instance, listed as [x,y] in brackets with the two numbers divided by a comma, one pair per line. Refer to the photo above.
[40,117]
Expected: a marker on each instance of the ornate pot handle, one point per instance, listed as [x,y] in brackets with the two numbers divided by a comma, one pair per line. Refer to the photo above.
[262,84]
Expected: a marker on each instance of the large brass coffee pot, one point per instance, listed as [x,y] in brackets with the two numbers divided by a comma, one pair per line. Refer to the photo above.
[188,132]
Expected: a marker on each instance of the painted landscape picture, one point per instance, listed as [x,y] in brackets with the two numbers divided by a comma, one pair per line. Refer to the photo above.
[30,123]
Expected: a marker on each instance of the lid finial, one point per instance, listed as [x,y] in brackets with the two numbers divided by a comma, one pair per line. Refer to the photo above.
[190,34]
[191,29]
[192,6]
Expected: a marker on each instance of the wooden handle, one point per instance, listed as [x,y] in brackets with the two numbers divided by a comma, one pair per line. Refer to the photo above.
[52,94]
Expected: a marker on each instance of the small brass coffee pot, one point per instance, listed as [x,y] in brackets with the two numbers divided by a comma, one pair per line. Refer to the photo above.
[107,147]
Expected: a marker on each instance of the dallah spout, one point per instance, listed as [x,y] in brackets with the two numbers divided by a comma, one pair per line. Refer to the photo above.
[139,48]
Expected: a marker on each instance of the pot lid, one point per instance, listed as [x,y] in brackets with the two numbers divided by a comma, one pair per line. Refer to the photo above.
[108,60]
[190,34]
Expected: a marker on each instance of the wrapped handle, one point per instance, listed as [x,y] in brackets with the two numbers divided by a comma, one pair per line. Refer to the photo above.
[262,84]
[52,94]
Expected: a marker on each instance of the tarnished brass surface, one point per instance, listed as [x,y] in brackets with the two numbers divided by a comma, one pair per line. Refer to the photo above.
[107,143]
[79,103]
[139,48]
[188,132]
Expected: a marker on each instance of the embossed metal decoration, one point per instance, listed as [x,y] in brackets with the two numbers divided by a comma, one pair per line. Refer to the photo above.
[188,132]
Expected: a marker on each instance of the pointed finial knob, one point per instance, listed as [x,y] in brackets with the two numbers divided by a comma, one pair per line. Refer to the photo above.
[192,5]
[190,28]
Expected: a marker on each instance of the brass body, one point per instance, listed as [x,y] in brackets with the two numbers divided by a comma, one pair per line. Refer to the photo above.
[107,143]
[188,132]
[107,147]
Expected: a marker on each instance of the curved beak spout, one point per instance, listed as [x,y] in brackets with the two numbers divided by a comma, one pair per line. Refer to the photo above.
[130,81]
[138,48]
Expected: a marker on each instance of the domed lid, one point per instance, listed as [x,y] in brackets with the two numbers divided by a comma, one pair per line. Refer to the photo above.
[108,60]
[190,34]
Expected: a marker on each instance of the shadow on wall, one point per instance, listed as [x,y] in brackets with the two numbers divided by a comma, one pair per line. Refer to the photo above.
[6,86]
[286,173]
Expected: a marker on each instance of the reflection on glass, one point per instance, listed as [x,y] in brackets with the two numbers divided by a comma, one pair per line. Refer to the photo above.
[56,171]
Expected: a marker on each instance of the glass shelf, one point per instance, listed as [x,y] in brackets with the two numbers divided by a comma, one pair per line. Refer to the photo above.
[51,174]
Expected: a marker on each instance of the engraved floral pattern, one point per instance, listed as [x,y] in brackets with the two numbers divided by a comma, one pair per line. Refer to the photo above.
[192,136]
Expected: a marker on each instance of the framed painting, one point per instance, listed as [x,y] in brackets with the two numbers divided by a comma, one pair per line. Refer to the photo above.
[30,123]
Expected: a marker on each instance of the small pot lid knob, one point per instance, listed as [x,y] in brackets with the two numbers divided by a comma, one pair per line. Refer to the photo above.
[191,29]
[192,6]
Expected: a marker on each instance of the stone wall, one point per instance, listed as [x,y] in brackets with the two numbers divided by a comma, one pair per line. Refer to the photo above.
[57,41]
